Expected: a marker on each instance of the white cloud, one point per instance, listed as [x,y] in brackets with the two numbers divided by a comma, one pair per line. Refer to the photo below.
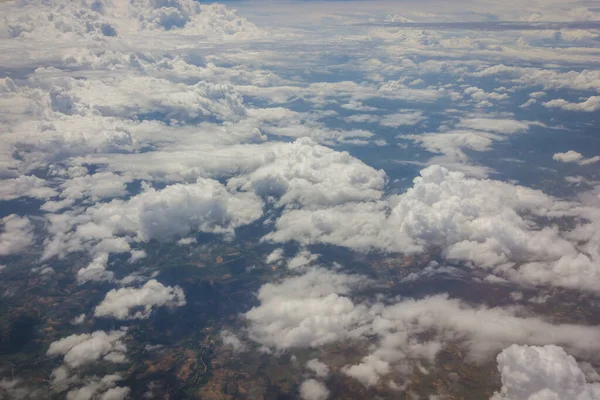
[481,95]
[496,125]
[312,176]
[97,186]
[79,350]
[96,271]
[25,185]
[312,389]
[490,223]
[320,369]
[17,234]
[308,310]
[590,105]
[404,118]
[137,255]
[275,256]
[177,210]
[125,303]
[544,373]
[569,156]
[231,339]
[572,156]
[586,79]
[100,389]
[368,371]
[78,320]
[316,308]
[301,259]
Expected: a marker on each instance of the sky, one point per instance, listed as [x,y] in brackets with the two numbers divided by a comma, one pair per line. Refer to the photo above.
[468,128]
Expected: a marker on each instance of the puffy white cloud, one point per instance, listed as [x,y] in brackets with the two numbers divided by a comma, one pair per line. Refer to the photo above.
[79,350]
[301,259]
[231,339]
[368,371]
[177,210]
[312,389]
[569,156]
[78,320]
[572,156]
[95,187]
[65,20]
[353,225]
[474,133]
[586,79]
[542,373]
[17,234]
[275,256]
[100,20]
[483,96]
[490,223]
[320,369]
[96,271]
[125,303]
[25,185]
[100,389]
[312,176]
[196,18]
[308,310]
[590,105]
[316,308]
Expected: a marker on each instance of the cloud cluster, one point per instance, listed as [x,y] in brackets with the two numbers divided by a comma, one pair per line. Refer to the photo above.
[79,350]
[138,303]
[316,308]
[17,234]
[489,223]
[100,389]
[544,373]
[590,105]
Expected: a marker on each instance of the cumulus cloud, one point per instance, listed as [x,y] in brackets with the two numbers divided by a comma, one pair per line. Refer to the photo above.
[316,308]
[231,339]
[569,156]
[17,234]
[474,133]
[572,156]
[133,303]
[320,369]
[25,185]
[306,311]
[96,271]
[489,223]
[590,105]
[101,389]
[312,176]
[177,210]
[301,259]
[548,372]
[275,256]
[312,389]
[79,350]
